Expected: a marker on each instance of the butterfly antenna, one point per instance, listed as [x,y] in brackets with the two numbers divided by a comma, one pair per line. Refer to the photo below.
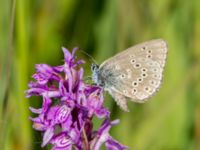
[91,58]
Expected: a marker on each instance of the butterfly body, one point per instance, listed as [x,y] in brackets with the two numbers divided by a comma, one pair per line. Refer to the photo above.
[135,73]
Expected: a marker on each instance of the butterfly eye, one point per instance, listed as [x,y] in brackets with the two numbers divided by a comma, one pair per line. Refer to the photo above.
[94,67]
[144,69]
[143,48]
[134,84]
[133,61]
[140,79]
[155,69]
[134,90]
[154,83]
[146,88]
[137,65]
[144,75]
[149,56]
[149,90]
[132,56]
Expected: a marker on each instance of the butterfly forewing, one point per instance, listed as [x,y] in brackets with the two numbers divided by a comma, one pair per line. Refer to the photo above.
[154,49]
[137,71]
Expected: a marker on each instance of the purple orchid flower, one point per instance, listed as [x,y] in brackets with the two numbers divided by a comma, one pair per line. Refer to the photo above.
[68,108]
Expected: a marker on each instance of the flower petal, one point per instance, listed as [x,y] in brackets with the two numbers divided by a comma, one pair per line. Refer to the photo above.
[36,111]
[112,144]
[47,136]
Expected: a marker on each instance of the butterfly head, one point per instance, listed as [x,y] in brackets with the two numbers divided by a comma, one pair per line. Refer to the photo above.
[96,77]
[94,67]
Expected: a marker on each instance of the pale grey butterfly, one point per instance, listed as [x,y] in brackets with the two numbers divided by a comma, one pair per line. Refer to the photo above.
[134,73]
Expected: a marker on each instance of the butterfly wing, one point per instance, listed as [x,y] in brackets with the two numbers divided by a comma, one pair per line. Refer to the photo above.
[120,99]
[136,72]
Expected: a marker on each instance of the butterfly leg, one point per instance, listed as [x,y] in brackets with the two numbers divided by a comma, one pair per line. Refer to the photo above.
[120,100]
[87,79]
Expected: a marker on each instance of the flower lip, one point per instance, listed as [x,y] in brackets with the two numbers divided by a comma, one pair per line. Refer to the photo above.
[62,114]
[61,141]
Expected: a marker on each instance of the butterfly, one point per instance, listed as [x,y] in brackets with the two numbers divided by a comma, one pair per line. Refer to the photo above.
[135,73]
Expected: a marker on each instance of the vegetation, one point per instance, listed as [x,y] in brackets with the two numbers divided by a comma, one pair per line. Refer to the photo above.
[33,32]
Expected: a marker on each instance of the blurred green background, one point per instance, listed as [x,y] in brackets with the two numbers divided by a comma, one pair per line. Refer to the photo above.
[33,32]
